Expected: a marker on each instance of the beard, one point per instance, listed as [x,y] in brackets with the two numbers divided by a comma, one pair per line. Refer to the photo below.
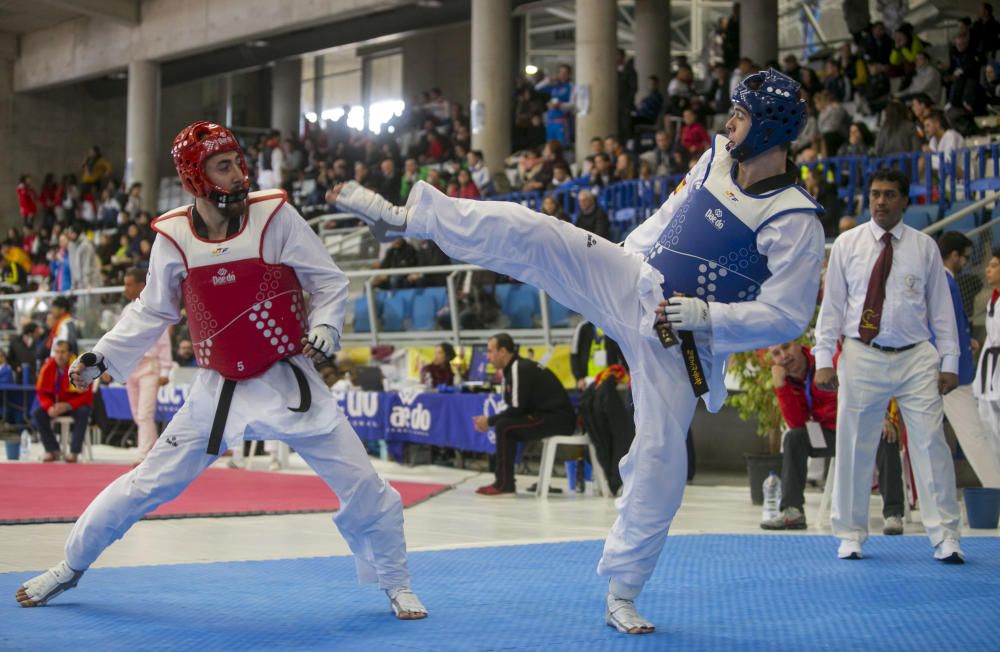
[234,210]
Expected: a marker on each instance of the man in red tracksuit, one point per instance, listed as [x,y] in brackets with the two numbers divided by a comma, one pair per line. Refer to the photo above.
[58,398]
[804,406]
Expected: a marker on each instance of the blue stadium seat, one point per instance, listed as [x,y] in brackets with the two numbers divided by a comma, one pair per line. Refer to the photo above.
[396,309]
[919,217]
[502,293]
[521,306]
[362,322]
[966,223]
[558,314]
[426,303]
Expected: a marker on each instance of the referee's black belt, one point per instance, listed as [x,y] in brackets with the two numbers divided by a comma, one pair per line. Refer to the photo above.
[886,349]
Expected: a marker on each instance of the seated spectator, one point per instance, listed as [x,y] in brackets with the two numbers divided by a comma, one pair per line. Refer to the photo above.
[624,167]
[612,147]
[810,81]
[859,141]
[659,157]
[877,91]
[410,177]
[903,59]
[550,206]
[400,254]
[926,79]
[481,175]
[679,90]
[694,137]
[439,371]
[790,66]
[435,179]
[601,175]
[921,105]
[363,175]
[877,44]
[184,355]
[538,407]
[990,86]
[650,106]
[805,406]
[718,95]
[940,138]
[836,83]
[389,183]
[58,398]
[464,187]
[531,172]
[591,217]
[826,195]
[429,255]
[964,98]
[561,174]
[898,134]
[833,122]
[21,354]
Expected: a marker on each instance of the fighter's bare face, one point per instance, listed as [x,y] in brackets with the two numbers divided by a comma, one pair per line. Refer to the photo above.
[737,126]
[224,170]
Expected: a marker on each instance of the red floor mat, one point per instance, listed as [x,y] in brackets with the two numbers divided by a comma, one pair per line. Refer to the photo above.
[52,493]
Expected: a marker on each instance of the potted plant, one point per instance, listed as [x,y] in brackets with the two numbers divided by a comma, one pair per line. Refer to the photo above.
[757,400]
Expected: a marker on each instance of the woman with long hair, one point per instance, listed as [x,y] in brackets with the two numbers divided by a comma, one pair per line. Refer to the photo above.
[898,133]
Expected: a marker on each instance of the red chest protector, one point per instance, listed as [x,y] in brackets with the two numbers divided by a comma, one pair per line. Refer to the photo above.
[244,313]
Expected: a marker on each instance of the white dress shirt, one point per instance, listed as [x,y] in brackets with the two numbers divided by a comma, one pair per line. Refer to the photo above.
[917,299]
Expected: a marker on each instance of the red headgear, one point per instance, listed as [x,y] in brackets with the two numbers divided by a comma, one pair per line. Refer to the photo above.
[192,147]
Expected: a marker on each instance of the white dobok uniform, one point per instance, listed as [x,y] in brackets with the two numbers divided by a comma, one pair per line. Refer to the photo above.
[370,516]
[618,290]
[986,386]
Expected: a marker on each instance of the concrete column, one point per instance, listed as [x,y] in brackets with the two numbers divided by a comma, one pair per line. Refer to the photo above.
[286,97]
[596,73]
[492,82]
[9,215]
[142,113]
[759,30]
[652,43]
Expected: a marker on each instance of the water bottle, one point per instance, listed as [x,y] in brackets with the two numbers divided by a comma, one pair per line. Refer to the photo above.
[25,445]
[772,497]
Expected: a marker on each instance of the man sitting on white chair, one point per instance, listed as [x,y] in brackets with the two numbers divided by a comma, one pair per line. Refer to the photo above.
[811,415]
[537,407]
[58,398]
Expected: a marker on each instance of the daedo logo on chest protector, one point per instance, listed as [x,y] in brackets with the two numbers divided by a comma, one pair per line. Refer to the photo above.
[223,277]
[714,218]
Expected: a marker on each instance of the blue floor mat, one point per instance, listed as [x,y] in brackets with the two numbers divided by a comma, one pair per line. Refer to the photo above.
[709,593]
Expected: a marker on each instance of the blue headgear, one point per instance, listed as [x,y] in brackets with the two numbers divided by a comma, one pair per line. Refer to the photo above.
[776,112]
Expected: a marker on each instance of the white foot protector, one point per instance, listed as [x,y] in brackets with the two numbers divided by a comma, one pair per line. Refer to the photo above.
[949,552]
[405,604]
[386,221]
[849,550]
[39,590]
[621,615]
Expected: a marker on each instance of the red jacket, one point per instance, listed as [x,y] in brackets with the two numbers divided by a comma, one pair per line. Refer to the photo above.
[468,191]
[26,200]
[50,392]
[795,405]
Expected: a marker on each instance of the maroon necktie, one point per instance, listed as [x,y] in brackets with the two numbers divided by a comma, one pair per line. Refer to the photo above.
[871,314]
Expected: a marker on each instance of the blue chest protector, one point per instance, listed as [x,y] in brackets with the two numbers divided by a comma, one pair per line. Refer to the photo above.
[708,249]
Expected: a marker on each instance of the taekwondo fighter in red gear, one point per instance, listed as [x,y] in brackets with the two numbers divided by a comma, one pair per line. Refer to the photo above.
[240,262]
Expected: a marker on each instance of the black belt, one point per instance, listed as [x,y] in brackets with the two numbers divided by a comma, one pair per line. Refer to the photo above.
[226,401]
[887,349]
[987,359]
[689,351]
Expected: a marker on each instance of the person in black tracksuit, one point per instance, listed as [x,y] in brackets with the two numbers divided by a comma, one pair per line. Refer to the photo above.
[537,407]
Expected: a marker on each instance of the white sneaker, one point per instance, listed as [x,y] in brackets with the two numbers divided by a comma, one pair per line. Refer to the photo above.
[42,588]
[405,604]
[386,221]
[621,614]
[893,526]
[949,552]
[849,550]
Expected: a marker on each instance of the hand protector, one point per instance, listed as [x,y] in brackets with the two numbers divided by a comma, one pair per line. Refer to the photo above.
[324,339]
[89,366]
[688,314]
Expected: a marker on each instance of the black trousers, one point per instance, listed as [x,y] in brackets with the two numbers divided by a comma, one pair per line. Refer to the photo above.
[81,418]
[795,459]
[512,430]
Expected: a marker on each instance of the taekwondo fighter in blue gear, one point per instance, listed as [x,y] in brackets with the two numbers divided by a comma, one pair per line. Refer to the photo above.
[731,262]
